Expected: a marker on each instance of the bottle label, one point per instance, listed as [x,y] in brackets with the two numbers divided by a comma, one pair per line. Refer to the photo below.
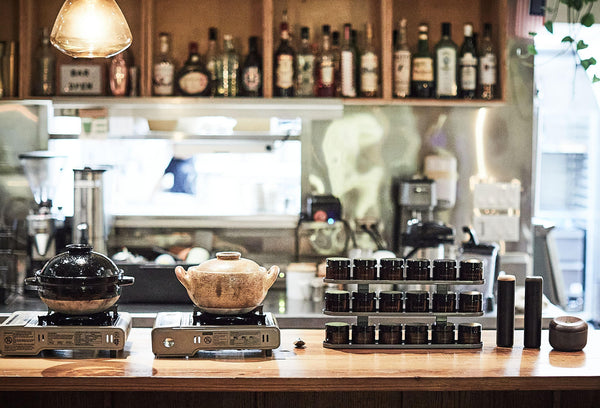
[368,72]
[468,72]
[163,78]
[347,64]
[327,72]
[285,71]
[422,69]
[446,72]
[193,83]
[306,65]
[401,73]
[251,79]
[487,69]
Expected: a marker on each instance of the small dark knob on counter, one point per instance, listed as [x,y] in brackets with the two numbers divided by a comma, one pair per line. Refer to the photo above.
[505,314]
[533,312]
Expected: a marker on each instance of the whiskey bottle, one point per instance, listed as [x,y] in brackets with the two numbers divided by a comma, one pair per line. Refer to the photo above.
[422,84]
[468,65]
[445,65]
[305,68]
[348,65]
[487,65]
[193,79]
[283,65]
[252,70]
[163,75]
[212,60]
[230,65]
[325,66]
[369,66]
[401,63]
[46,67]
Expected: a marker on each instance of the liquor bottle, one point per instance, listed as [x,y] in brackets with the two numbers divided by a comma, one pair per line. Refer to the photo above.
[337,57]
[354,44]
[118,74]
[348,65]
[401,63]
[230,66]
[305,66]
[422,84]
[445,65]
[283,65]
[193,79]
[468,65]
[46,66]
[369,66]
[212,60]
[325,66]
[487,65]
[163,76]
[252,70]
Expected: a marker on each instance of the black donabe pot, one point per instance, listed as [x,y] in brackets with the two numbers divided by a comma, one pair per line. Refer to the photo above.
[79,281]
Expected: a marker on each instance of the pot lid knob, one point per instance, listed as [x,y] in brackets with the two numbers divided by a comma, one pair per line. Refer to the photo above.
[79,249]
[229,256]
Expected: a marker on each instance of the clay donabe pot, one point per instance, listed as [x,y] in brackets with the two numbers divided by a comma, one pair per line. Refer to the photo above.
[227,284]
[79,281]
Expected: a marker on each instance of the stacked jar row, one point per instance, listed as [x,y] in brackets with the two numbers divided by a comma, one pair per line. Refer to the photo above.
[409,333]
[418,301]
[399,269]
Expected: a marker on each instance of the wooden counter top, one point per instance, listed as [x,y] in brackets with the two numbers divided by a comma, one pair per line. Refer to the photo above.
[311,369]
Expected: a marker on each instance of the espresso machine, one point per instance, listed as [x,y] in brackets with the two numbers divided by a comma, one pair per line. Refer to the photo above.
[417,233]
[46,228]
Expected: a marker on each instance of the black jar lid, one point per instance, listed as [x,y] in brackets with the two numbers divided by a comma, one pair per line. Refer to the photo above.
[471,269]
[442,327]
[473,295]
[444,267]
[421,263]
[363,296]
[390,327]
[470,328]
[391,263]
[365,263]
[417,267]
[336,294]
[338,262]
[445,296]
[390,295]
[337,326]
[416,327]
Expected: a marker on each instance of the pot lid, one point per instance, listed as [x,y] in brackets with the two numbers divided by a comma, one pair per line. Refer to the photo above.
[228,262]
[82,263]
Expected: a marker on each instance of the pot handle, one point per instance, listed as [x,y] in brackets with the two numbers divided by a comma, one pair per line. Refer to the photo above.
[182,275]
[272,274]
[31,281]
[126,280]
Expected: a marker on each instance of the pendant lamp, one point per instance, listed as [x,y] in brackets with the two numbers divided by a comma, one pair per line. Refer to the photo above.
[90,29]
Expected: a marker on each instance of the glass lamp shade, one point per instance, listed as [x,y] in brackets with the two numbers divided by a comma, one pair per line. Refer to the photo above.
[90,29]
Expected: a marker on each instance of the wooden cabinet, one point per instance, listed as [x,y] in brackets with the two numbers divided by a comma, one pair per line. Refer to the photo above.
[189,20]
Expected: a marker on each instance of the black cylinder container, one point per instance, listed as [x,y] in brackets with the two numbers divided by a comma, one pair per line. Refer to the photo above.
[390,333]
[442,333]
[469,333]
[337,268]
[470,270]
[416,333]
[444,269]
[391,269]
[470,302]
[364,269]
[363,301]
[444,302]
[390,301]
[505,313]
[337,333]
[337,301]
[533,312]
[363,334]
[418,269]
[417,301]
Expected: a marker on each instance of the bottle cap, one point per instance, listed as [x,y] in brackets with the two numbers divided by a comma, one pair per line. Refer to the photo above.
[468,30]
[446,29]
[304,33]
[212,34]
[327,29]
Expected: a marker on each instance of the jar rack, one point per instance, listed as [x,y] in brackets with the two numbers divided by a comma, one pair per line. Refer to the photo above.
[362,318]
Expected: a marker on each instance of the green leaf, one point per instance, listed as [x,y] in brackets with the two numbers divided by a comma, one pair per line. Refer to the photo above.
[586,63]
[531,49]
[549,26]
[568,39]
[595,79]
[532,33]
[587,20]
[581,45]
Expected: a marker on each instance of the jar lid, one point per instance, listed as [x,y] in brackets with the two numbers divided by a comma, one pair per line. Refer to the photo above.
[444,263]
[337,294]
[365,262]
[363,296]
[471,293]
[442,327]
[79,264]
[418,263]
[337,325]
[338,262]
[471,266]
[391,262]
[363,329]
[568,324]
[449,295]
[390,294]
[472,328]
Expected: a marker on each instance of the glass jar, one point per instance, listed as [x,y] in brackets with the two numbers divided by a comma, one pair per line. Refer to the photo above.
[470,302]
[470,270]
[337,268]
[390,333]
[469,333]
[363,334]
[391,269]
[416,333]
[417,301]
[337,333]
[444,269]
[337,301]
[442,333]
[444,302]
[390,301]
[365,269]
[363,301]
[417,269]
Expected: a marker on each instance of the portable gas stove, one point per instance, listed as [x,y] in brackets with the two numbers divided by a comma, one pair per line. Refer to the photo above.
[183,334]
[28,333]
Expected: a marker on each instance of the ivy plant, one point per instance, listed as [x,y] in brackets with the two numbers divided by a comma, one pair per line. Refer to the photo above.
[578,15]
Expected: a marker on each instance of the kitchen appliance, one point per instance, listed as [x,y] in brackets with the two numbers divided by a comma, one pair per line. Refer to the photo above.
[417,233]
[89,226]
[46,226]
[183,334]
[27,333]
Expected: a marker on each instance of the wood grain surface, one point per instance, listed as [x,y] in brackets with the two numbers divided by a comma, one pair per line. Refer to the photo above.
[311,369]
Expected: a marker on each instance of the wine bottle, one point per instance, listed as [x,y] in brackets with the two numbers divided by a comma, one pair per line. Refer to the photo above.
[305,68]
[337,57]
[163,76]
[212,60]
[193,79]
[369,66]
[422,84]
[445,65]
[401,63]
[468,65]
[348,65]
[230,65]
[487,65]
[284,63]
[325,66]
[252,70]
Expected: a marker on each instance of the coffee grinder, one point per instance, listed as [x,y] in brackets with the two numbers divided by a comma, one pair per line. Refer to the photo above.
[45,225]
[417,233]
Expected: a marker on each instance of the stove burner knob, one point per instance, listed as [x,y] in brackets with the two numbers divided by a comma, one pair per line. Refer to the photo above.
[169,342]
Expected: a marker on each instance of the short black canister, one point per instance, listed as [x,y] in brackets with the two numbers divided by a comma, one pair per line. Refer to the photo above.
[337,333]
[470,270]
[469,333]
[444,302]
[470,302]
[416,333]
[444,269]
[417,269]
[390,333]
[391,269]
[364,269]
[363,334]
[417,301]
[442,333]
[337,268]
[390,301]
[337,301]
[363,301]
